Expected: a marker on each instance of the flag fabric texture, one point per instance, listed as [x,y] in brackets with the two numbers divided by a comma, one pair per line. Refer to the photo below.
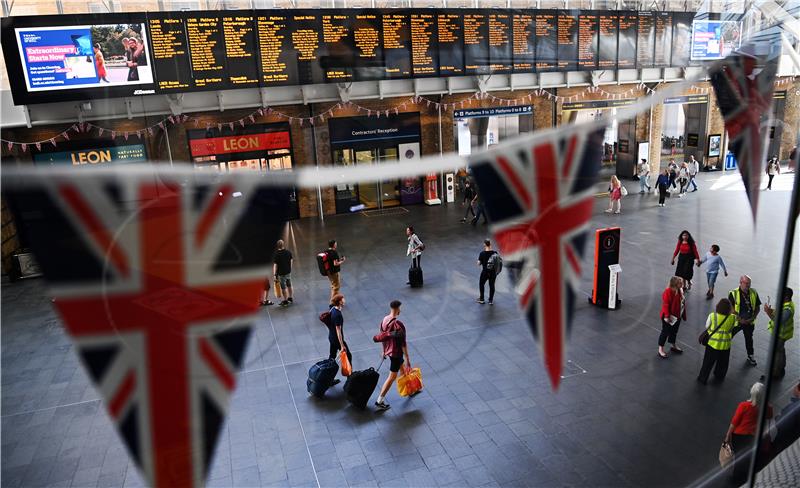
[539,199]
[744,84]
[156,278]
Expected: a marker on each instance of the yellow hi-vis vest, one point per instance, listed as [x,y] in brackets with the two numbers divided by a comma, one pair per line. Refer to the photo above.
[721,339]
[787,328]
[737,305]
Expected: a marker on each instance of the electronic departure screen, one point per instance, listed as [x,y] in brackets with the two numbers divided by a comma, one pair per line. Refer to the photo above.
[663,39]
[523,42]
[175,52]
[626,54]
[546,40]
[588,31]
[423,44]
[567,41]
[450,28]
[476,43]
[646,40]
[500,42]
[607,43]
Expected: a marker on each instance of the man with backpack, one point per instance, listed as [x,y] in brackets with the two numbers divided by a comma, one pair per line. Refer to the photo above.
[491,264]
[393,337]
[330,265]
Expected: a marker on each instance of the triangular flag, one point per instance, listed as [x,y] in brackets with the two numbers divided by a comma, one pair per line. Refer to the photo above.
[99,131]
[126,135]
[53,142]
[113,134]
[10,145]
[252,118]
[230,125]
[241,122]
[24,147]
[65,135]
[38,146]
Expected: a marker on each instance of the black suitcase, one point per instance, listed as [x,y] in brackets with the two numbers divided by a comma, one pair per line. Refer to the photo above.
[415,276]
[320,377]
[360,385]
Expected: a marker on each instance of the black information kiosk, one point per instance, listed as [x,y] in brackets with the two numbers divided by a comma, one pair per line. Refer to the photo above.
[606,268]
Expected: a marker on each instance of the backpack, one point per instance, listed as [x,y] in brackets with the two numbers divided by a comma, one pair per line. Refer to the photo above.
[495,264]
[324,263]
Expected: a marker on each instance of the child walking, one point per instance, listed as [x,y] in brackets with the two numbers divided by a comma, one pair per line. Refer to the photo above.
[714,261]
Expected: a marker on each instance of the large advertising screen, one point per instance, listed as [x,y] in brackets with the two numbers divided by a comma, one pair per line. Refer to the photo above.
[715,39]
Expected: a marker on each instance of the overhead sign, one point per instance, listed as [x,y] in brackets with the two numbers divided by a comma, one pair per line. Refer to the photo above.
[592,104]
[686,99]
[239,143]
[715,39]
[374,132]
[493,111]
[132,153]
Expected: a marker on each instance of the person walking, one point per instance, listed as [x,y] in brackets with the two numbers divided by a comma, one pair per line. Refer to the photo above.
[773,168]
[719,326]
[673,172]
[683,179]
[282,271]
[415,247]
[488,271]
[614,195]
[480,207]
[686,251]
[715,262]
[662,183]
[786,332]
[393,338]
[694,168]
[469,195]
[742,431]
[673,310]
[746,305]
[644,177]
[336,331]
[100,63]
[336,267]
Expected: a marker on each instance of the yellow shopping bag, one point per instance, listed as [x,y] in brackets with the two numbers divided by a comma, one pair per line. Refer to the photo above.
[410,383]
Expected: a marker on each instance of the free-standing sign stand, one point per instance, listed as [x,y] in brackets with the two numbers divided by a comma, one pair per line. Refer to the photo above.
[431,190]
[606,268]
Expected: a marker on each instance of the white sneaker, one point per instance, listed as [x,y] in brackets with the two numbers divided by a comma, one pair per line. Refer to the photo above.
[616,212]
[608,210]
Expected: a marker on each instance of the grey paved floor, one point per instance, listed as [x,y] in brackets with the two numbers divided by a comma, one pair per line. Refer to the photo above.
[487,416]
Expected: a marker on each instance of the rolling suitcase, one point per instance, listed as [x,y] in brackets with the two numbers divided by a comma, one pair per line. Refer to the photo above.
[415,276]
[360,385]
[320,377]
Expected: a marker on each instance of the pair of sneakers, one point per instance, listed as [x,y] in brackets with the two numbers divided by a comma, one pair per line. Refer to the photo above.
[382,406]
[481,301]
[287,302]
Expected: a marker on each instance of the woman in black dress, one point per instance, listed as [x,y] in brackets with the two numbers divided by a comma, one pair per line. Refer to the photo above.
[686,251]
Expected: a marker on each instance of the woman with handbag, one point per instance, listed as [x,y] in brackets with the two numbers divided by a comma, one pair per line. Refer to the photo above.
[615,194]
[673,310]
[717,339]
[742,431]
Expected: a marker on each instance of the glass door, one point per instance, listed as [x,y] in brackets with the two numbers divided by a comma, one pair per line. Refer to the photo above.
[368,193]
[389,190]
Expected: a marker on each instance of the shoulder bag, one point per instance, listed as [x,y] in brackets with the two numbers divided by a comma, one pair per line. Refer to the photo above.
[705,336]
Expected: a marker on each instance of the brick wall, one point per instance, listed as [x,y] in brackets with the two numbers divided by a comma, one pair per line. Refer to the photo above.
[791,118]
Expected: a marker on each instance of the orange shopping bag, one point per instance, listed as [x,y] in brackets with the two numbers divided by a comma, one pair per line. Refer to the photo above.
[410,383]
[346,367]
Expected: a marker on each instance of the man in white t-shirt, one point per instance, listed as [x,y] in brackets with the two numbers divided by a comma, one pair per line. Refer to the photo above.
[694,168]
[643,171]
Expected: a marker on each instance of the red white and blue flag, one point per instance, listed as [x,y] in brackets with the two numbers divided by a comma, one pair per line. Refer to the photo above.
[156,279]
[539,200]
[744,85]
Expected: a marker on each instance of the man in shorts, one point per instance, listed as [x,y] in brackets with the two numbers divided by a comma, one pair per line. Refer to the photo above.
[393,337]
[282,271]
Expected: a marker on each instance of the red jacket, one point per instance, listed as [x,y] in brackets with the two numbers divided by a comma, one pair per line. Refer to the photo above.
[392,335]
[671,304]
[687,249]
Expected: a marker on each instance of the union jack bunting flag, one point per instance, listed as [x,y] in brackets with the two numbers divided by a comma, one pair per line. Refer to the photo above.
[744,84]
[156,278]
[539,200]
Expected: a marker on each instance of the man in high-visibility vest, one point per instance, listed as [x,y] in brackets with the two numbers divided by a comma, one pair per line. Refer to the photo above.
[785,333]
[746,305]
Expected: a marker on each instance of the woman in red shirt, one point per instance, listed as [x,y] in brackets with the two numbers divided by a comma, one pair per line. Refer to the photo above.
[686,251]
[742,431]
[673,310]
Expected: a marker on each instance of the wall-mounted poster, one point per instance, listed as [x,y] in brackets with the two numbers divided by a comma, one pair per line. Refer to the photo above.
[714,145]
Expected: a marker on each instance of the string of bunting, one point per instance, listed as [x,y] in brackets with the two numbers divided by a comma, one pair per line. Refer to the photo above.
[321,117]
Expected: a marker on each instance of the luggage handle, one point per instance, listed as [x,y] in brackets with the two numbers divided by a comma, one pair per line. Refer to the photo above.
[381,364]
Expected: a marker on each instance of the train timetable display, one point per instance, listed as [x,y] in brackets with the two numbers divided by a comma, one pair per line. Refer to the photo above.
[337,59]
[450,30]
[241,50]
[608,23]
[567,41]
[368,55]
[627,39]
[524,42]
[681,38]
[663,39]
[546,33]
[500,48]
[170,52]
[396,33]
[274,41]
[645,42]
[206,51]
[424,61]
[306,46]
[476,43]
[588,30]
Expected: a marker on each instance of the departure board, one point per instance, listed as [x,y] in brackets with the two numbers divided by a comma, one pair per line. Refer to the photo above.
[206,50]
[663,39]
[524,42]
[241,50]
[366,26]
[274,40]
[607,42]
[681,38]
[546,33]
[337,46]
[450,28]
[645,48]
[424,60]
[567,41]
[588,30]
[626,54]
[396,32]
[500,46]
[476,43]
[170,52]
[306,48]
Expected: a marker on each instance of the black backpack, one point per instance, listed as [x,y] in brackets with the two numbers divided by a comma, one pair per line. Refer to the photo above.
[495,263]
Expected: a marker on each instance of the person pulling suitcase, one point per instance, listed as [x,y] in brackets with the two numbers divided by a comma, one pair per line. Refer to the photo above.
[393,338]
[415,248]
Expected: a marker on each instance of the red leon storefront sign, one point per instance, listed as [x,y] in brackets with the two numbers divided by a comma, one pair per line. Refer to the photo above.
[243,143]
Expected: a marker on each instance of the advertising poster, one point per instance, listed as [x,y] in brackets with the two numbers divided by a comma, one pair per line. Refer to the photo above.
[715,39]
[84,56]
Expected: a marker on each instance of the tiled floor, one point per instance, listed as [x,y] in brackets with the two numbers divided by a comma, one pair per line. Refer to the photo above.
[487,416]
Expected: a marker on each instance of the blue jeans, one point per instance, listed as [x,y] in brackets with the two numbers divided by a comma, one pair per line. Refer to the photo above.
[712,278]
[692,182]
[643,184]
